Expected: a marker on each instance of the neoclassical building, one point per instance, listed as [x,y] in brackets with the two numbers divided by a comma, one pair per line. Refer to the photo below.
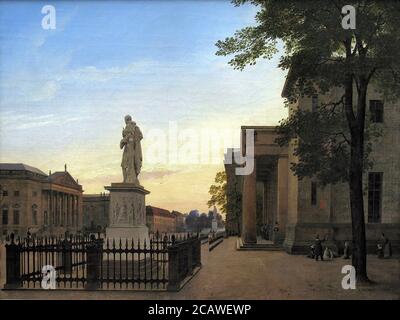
[294,211]
[39,203]
[95,211]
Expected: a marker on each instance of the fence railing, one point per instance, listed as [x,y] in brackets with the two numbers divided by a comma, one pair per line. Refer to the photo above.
[161,263]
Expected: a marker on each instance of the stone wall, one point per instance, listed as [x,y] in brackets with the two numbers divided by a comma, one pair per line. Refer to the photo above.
[331,215]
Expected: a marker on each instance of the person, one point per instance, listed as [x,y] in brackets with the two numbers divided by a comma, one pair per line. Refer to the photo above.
[328,254]
[311,254]
[346,251]
[318,248]
[386,246]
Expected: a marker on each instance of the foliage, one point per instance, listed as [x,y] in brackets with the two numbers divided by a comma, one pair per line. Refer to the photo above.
[218,192]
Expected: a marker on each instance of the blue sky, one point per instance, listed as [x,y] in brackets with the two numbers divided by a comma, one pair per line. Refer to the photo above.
[64,92]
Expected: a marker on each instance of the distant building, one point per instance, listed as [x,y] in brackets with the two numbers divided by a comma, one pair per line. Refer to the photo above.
[95,211]
[34,201]
[160,220]
[179,221]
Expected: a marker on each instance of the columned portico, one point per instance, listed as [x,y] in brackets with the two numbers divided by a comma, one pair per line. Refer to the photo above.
[264,191]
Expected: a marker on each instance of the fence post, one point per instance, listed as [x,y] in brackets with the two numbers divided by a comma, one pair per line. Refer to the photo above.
[67,256]
[93,264]
[197,257]
[173,268]
[13,275]
[190,256]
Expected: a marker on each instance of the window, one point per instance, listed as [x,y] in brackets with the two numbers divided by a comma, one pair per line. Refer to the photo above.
[34,216]
[374,196]
[16,193]
[34,193]
[376,111]
[45,218]
[314,102]
[5,193]
[16,217]
[4,218]
[313,193]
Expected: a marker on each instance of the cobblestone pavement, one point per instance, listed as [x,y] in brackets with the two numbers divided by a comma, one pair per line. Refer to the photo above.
[231,274]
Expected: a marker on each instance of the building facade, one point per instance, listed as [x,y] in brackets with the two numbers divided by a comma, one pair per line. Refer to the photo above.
[39,203]
[179,221]
[95,211]
[294,211]
[160,220]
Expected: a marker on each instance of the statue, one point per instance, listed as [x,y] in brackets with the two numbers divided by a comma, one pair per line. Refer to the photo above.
[132,157]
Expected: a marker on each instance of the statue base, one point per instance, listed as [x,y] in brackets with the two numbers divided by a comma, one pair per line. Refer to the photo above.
[127,214]
[214,226]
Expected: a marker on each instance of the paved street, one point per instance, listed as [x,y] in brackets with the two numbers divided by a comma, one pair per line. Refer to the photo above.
[230,274]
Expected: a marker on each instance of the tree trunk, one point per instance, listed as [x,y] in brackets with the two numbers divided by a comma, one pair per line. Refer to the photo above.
[359,256]
[357,124]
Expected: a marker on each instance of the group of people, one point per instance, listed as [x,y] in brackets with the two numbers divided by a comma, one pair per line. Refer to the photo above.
[268,230]
[318,252]
[384,249]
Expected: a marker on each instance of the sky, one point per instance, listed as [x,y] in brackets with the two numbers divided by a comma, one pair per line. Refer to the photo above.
[64,92]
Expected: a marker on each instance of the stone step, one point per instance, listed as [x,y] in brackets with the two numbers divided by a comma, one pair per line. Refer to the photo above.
[240,246]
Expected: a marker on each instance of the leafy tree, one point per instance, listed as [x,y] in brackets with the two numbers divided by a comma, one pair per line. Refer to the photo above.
[192,220]
[322,55]
[218,192]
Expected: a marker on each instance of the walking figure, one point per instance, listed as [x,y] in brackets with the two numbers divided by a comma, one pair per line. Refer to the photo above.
[318,248]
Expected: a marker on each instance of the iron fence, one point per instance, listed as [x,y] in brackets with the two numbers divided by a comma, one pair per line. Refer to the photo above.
[162,262]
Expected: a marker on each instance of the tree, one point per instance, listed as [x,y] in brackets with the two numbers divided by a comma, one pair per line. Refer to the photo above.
[218,192]
[192,220]
[322,55]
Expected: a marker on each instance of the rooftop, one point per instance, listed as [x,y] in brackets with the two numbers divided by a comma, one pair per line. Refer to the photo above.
[21,167]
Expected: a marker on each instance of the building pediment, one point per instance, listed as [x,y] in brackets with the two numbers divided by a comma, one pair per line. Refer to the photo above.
[64,179]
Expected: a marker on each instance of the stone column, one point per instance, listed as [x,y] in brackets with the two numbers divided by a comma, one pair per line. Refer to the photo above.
[73,212]
[76,211]
[59,208]
[79,212]
[62,209]
[282,198]
[56,208]
[249,234]
[69,210]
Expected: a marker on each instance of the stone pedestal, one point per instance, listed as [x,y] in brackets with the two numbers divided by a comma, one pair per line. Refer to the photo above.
[127,213]
[214,225]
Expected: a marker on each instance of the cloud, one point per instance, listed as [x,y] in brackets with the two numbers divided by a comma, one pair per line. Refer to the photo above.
[45,92]
[18,121]
[92,73]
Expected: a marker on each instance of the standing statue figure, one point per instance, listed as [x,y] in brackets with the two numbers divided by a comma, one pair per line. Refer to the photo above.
[132,157]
